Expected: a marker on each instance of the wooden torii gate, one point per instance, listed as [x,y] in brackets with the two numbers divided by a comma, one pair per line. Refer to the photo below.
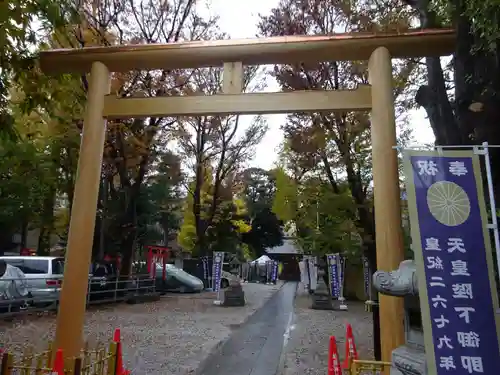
[378,49]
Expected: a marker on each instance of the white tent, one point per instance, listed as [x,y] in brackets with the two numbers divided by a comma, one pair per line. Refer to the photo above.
[261,260]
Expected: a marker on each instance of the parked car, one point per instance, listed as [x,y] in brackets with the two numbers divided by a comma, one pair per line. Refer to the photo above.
[44,275]
[176,280]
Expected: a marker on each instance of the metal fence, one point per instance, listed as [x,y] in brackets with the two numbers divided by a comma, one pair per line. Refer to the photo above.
[44,295]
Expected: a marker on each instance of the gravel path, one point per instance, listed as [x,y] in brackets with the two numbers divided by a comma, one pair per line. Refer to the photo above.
[170,336]
[306,352]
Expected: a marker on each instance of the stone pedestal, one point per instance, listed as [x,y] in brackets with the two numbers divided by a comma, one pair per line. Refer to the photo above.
[234,295]
[321,298]
[407,360]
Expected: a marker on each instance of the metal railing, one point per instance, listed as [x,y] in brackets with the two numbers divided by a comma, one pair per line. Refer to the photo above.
[44,292]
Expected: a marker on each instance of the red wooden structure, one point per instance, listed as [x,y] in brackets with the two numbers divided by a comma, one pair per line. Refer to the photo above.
[117,259]
[157,254]
[27,252]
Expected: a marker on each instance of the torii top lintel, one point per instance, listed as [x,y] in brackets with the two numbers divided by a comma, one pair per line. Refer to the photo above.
[259,51]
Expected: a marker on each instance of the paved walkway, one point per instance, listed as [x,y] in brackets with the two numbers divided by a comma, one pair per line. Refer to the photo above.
[256,347]
[307,350]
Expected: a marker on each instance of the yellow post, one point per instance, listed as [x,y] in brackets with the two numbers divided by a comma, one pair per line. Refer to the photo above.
[388,225]
[71,315]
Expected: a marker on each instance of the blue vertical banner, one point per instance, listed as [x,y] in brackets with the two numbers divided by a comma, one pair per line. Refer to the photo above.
[454,260]
[333,275]
[218,261]
[366,277]
[274,277]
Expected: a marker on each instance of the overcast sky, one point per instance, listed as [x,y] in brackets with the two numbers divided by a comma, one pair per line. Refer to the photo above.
[239,20]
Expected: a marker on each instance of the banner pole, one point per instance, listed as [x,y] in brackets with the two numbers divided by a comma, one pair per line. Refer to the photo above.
[308,273]
[493,208]
[211,276]
[342,262]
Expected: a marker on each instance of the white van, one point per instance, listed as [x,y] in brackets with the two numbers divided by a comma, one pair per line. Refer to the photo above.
[44,275]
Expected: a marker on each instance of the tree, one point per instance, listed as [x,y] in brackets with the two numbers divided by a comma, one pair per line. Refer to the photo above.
[28,109]
[259,188]
[48,127]
[461,99]
[165,195]
[17,38]
[217,142]
[188,236]
[339,142]
[229,225]
[286,203]
[159,208]
[324,220]
[327,219]
[23,185]
[265,232]
[224,228]
[131,145]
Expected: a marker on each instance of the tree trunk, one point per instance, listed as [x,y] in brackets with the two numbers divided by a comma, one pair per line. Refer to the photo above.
[129,228]
[24,233]
[366,220]
[166,228]
[102,224]
[197,210]
[128,244]
[474,115]
[477,89]
[47,224]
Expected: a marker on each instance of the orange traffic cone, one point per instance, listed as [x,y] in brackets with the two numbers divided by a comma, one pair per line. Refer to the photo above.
[333,358]
[58,366]
[119,360]
[351,353]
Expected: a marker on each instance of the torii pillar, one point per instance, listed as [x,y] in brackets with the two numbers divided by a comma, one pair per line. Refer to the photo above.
[71,315]
[387,199]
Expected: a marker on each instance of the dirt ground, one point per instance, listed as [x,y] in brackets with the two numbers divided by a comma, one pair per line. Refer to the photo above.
[306,352]
[173,335]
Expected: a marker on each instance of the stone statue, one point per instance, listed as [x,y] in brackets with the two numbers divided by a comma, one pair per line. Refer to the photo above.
[399,283]
[408,359]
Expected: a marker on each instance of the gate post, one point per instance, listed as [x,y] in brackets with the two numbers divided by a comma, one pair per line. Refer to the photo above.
[72,303]
[388,224]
